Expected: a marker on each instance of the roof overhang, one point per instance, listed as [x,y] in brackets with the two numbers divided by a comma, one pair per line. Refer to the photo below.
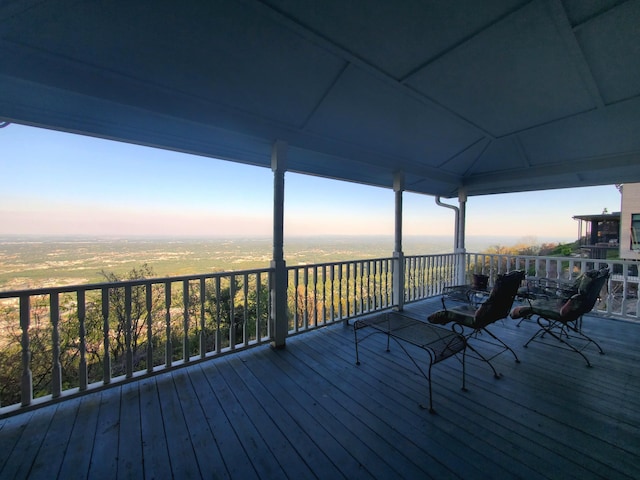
[473,97]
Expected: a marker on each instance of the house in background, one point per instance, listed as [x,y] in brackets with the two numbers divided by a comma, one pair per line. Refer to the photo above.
[599,235]
[630,222]
[603,233]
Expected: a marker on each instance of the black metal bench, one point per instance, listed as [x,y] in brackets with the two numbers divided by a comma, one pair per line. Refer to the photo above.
[439,343]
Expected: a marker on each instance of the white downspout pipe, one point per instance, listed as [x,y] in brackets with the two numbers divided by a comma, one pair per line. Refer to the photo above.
[459,235]
[462,220]
[456,239]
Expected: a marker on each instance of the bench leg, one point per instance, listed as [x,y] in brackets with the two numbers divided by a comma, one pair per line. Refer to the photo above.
[464,369]
[485,359]
[504,345]
[431,410]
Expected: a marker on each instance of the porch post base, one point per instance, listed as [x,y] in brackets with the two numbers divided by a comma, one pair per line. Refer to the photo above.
[279,319]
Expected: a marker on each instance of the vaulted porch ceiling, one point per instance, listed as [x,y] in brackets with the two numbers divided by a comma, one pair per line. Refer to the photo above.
[487,97]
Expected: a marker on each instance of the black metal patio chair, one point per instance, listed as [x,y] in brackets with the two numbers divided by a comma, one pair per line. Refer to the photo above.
[472,320]
[561,318]
[550,289]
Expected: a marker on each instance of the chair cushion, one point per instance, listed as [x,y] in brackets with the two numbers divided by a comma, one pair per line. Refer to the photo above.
[577,304]
[585,279]
[500,300]
[544,308]
[463,314]
[522,311]
[573,305]
[547,310]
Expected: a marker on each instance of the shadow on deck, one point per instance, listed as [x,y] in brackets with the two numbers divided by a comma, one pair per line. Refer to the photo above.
[309,412]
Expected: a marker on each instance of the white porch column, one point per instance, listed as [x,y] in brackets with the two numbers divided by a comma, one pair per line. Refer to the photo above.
[398,255]
[460,240]
[279,318]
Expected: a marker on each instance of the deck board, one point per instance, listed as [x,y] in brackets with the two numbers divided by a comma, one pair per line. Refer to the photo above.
[309,412]
[202,440]
[10,432]
[372,421]
[304,411]
[405,428]
[310,458]
[155,454]
[77,455]
[329,404]
[265,417]
[455,408]
[104,456]
[49,460]
[564,380]
[223,436]
[181,453]
[255,448]
[130,438]
[24,455]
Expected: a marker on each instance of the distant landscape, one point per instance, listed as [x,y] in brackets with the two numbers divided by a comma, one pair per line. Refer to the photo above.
[33,262]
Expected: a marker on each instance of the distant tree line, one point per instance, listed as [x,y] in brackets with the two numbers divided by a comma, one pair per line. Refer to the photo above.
[528,247]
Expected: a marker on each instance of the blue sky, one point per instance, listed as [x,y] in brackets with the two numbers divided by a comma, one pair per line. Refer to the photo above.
[56,183]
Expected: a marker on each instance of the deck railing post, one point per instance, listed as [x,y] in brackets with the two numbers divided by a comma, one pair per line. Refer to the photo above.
[149,318]
[461,271]
[186,347]
[128,359]
[82,331]
[398,280]
[201,335]
[106,365]
[398,255]
[26,382]
[169,344]
[279,317]
[56,368]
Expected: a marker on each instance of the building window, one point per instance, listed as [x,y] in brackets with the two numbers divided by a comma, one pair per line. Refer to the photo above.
[635,231]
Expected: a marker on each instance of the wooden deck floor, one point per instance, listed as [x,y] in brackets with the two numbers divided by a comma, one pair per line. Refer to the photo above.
[309,412]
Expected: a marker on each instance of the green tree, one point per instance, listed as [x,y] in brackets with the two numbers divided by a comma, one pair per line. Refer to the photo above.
[119,332]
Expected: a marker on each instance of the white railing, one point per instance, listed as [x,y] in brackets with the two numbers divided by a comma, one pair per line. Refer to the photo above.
[326,293]
[64,341]
[58,342]
[427,275]
[619,299]
[67,340]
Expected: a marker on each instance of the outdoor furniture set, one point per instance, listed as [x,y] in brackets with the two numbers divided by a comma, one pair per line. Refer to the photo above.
[560,316]
[557,311]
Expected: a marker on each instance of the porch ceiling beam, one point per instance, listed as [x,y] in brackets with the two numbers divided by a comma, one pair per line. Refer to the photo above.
[542,171]
[355,59]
